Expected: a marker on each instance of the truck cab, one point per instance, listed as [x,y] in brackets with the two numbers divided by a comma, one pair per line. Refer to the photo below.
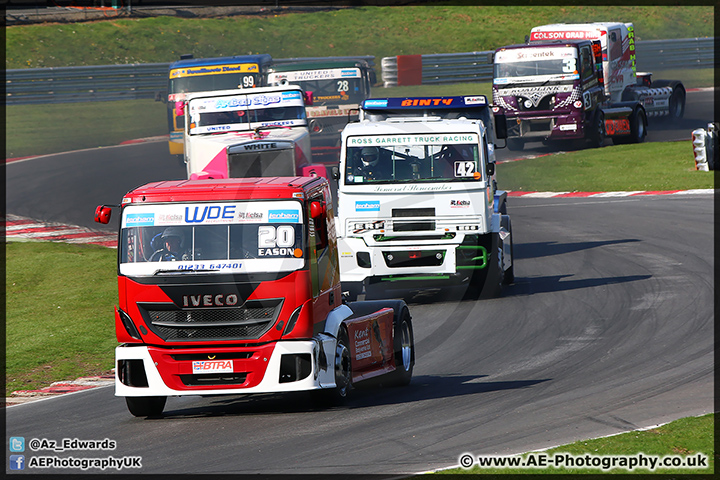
[232,286]
[418,203]
[235,133]
[578,82]
[338,86]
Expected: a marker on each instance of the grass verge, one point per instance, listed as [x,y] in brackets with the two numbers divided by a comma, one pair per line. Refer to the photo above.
[59,321]
[683,439]
[656,166]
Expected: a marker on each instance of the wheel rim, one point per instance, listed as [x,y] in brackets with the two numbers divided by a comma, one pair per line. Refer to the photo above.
[342,369]
[406,347]
[640,127]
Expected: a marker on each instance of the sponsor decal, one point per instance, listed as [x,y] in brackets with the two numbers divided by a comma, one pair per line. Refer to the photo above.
[375,103]
[615,127]
[479,100]
[437,139]
[459,203]
[426,102]
[568,35]
[367,206]
[266,99]
[214,70]
[212,366]
[283,216]
[210,214]
[140,219]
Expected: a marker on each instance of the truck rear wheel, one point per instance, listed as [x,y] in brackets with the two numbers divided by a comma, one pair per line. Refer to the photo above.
[404,347]
[677,103]
[145,406]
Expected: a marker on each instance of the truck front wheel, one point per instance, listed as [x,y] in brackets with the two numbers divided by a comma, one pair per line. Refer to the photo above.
[515,144]
[404,347]
[596,133]
[145,406]
[343,374]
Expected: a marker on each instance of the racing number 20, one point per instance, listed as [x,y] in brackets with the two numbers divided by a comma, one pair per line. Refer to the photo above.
[271,237]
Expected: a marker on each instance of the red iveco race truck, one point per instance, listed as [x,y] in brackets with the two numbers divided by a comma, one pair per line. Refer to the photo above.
[232,286]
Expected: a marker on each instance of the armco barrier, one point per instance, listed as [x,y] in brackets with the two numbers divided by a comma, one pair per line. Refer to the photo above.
[102,82]
[135,81]
[477,66]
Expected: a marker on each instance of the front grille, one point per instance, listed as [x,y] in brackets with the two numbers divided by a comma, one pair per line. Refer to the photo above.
[247,322]
[413,226]
[208,379]
[413,212]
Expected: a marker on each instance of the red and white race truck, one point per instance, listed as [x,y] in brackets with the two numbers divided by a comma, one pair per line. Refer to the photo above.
[248,133]
[579,82]
[232,287]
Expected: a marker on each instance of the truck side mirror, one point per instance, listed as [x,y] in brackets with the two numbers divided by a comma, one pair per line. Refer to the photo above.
[179,109]
[335,173]
[317,209]
[102,214]
[490,169]
[308,99]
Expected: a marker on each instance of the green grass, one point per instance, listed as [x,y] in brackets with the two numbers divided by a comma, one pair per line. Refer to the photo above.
[647,166]
[59,312]
[379,31]
[63,127]
[44,129]
[684,438]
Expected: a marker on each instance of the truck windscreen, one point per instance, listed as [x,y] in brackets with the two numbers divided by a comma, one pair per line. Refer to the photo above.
[234,237]
[394,159]
[535,64]
[337,86]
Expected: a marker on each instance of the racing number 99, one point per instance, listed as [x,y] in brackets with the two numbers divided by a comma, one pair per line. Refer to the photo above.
[248,81]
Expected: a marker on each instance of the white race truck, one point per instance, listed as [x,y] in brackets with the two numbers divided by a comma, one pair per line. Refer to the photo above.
[418,204]
[240,133]
[578,82]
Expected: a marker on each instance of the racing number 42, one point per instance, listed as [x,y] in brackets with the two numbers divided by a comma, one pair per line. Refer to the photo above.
[464,169]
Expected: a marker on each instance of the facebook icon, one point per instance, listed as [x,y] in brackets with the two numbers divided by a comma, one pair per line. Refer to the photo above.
[17,462]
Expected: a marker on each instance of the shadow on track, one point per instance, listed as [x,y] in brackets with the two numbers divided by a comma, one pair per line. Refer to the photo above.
[368,395]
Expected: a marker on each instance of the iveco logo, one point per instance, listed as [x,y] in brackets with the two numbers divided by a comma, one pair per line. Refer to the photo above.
[219,300]
[261,146]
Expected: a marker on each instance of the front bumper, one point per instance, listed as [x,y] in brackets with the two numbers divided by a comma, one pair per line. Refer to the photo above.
[285,366]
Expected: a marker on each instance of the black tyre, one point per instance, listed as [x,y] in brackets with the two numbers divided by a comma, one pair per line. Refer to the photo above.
[515,144]
[145,406]
[492,285]
[509,274]
[343,374]
[596,132]
[677,103]
[638,130]
[404,347]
